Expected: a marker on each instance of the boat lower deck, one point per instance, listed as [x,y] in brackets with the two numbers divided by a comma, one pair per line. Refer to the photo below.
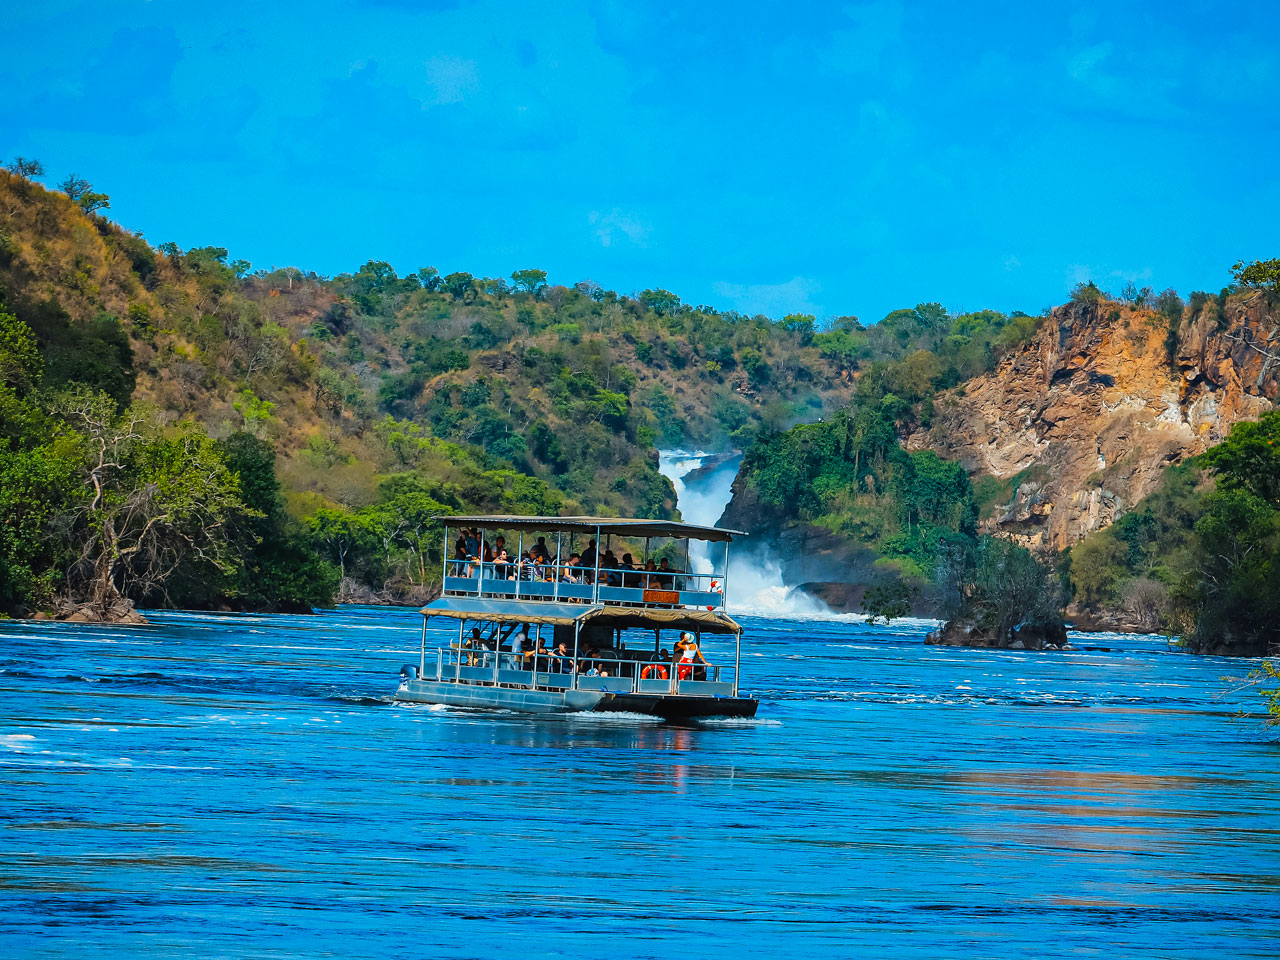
[529,700]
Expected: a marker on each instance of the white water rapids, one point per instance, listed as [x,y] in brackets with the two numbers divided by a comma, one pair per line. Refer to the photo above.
[754,584]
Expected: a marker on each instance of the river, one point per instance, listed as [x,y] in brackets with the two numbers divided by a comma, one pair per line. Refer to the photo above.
[235,786]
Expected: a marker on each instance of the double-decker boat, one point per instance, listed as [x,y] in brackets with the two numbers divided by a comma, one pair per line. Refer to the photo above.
[571,631]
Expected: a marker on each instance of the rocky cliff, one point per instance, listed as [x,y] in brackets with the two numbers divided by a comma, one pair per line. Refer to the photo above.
[1071,429]
[1081,420]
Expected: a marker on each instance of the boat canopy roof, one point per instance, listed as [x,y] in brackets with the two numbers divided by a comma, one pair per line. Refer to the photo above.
[542,612]
[605,525]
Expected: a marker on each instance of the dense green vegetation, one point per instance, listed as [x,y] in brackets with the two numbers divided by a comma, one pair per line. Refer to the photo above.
[325,421]
[850,474]
[1201,555]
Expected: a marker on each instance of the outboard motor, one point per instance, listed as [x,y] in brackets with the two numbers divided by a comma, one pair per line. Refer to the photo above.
[408,672]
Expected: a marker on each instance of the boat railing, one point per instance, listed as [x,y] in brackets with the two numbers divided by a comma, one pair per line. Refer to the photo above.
[517,579]
[548,671]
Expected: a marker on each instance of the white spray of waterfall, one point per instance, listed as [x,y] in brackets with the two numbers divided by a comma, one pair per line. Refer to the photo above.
[754,584]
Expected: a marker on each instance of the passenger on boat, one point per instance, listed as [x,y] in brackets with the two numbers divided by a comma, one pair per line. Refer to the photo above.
[516,657]
[539,550]
[690,663]
[651,579]
[609,562]
[503,568]
[666,575]
[589,555]
[473,542]
[562,659]
[572,569]
[536,655]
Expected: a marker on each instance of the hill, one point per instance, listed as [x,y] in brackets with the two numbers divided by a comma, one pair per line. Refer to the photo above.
[475,393]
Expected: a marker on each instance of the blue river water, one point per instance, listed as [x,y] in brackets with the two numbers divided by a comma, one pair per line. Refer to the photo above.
[238,786]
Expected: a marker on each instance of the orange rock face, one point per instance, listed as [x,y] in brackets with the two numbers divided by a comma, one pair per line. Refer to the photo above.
[1088,414]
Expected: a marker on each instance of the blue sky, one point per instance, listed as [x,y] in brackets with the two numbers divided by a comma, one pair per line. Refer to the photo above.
[833,159]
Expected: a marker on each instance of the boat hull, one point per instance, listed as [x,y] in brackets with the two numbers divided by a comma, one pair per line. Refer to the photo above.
[676,708]
[526,700]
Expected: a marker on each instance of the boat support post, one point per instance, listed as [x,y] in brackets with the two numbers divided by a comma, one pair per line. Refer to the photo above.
[457,664]
[577,626]
[724,580]
[737,660]
[557,567]
[422,655]
[595,594]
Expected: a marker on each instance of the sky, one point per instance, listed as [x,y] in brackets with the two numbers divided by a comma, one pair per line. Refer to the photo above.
[842,159]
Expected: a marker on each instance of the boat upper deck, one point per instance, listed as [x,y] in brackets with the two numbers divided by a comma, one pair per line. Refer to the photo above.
[546,565]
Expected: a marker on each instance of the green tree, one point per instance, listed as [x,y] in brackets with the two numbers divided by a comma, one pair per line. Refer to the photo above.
[530,281]
[25,167]
[82,194]
[345,536]
[1262,275]
[256,412]
[998,586]
[151,503]
[1087,292]
[37,487]
[276,569]
[661,302]
[801,324]
[1249,458]
[460,286]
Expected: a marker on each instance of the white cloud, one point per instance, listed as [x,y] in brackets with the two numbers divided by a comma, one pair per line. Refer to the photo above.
[616,225]
[772,299]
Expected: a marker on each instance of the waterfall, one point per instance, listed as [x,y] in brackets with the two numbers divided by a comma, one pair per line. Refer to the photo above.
[754,584]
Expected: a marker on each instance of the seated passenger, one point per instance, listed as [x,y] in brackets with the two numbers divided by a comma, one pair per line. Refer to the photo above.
[650,580]
[590,555]
[665,575]
[539,550]
[571,572]
[502,567]
[609,562]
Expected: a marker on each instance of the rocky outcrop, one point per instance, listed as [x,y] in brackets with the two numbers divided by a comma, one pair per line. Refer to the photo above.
[120,612]
[1084,418]
[954,633]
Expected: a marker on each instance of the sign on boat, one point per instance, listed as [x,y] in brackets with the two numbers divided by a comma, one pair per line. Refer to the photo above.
[541,633]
